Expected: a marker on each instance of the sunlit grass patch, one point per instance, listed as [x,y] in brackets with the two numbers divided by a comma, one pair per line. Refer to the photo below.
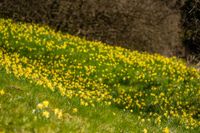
[93,74]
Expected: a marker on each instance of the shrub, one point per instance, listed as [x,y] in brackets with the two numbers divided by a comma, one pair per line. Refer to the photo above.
[191,25]
[145,25]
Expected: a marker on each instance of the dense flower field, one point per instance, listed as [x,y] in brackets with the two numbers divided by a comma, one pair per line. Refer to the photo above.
[156,87]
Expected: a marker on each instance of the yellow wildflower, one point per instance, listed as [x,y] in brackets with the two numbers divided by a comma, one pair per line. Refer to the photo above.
[145,130]
[2,92]
[45,114]
[75,110]
[56,111]
[45,103]
[40,106]
[166,130]
[60,114]
[142,120]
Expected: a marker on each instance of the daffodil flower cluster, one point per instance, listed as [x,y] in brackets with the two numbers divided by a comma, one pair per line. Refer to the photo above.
[158,87]
[47,111]
[43,107]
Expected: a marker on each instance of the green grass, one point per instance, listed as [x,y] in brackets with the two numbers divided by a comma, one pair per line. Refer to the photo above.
[19,113]
[113,89]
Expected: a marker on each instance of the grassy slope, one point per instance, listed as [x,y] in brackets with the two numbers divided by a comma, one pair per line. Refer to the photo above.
[132,82]
[21,98]
[19,113]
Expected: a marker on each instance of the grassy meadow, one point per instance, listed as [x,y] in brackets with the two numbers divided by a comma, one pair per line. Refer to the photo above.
[55,82]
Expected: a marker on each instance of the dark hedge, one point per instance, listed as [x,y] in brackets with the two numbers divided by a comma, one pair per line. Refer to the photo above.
[191,25]
[145,25]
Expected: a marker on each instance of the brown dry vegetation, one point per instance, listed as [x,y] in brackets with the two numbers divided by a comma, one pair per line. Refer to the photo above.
[145,25]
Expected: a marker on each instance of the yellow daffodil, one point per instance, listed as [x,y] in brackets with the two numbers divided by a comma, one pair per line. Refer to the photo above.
[145,130]
[45,114]
[75,110]
[45,103]
[166,130]
[40,106]
[2,92]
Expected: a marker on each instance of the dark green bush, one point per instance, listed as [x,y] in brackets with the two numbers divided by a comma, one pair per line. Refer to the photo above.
[191,25]
[145,25]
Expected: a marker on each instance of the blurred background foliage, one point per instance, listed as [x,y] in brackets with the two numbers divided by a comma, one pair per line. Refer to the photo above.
[171,28]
